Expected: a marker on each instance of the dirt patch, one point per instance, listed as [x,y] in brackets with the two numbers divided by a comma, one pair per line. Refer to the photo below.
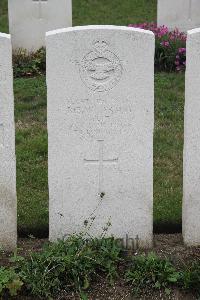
[172,247]
[121,291]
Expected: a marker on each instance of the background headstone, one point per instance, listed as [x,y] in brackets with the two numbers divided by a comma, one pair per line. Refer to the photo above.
[29,20]
[191,182]
[8,203]
[100,124]
[181,14]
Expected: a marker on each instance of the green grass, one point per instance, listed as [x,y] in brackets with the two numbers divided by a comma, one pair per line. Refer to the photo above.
[115,12]
[168,148]
[31,133]
[31,150]
[3,16]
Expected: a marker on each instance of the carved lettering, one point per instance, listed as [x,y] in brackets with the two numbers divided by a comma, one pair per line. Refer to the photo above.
[80,107]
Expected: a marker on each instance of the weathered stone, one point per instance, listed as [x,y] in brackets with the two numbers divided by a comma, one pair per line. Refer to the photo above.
[181,14]
[8,203]
[30,19]
[191,199]
[100,124]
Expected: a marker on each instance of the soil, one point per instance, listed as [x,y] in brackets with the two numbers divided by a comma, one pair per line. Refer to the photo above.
[166,246]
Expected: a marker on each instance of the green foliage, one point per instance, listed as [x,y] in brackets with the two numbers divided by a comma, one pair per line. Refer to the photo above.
[71,265]
[152,272]
[190,277]
[29,64]
[9,282]
[170,55]
[16,258]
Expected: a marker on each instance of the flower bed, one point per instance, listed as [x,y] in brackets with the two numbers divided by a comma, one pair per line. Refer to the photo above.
[170,52]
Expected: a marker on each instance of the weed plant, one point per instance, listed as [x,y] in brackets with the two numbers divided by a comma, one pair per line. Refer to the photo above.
[151,272]
[70,265]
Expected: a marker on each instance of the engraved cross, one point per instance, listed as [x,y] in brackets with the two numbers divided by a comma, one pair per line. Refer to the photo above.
[101,162]
[39,2]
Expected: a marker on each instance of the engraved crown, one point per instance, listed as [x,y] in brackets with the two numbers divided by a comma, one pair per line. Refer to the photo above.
[100,45]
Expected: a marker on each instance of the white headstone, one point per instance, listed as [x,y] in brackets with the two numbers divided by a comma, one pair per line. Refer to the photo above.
[181,14]
[100,124]
[191,199]
[29,20]
[8,203]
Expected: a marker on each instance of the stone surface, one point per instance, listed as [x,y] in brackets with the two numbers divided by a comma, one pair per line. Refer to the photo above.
[183,14]
[191,182]
[100,123]
[29,20]
[8,203]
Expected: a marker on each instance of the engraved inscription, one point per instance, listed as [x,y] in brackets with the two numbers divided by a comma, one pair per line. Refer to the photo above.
[101,162]
[77,107]
[39,2]
[96,118]
[100,69]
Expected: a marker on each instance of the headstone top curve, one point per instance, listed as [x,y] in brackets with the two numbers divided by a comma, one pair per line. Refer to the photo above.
[98,27]
[5,35]
[193,31]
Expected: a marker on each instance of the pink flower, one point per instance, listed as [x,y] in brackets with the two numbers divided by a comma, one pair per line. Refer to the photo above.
[182,50]
[172,44]
[165,43]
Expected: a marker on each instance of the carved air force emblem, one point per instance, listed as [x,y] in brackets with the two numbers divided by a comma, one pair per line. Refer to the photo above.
[100,69]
